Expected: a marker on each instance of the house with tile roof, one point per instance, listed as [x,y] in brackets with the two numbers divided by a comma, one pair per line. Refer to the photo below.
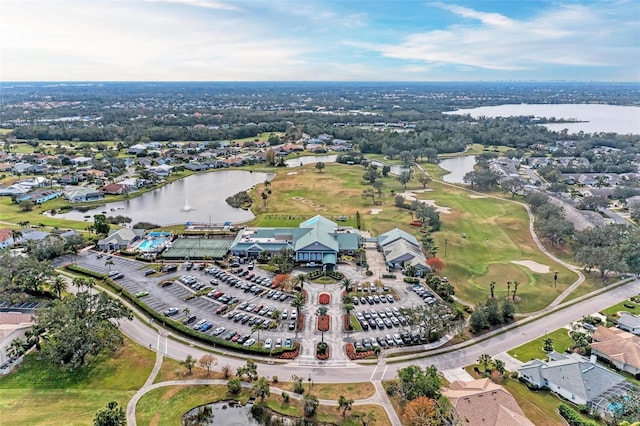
[618,347]
[483,402]
[577,379]
[317,240]
[629,322]
[401,249]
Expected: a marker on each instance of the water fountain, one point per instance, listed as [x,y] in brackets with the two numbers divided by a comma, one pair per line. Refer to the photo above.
[186,207]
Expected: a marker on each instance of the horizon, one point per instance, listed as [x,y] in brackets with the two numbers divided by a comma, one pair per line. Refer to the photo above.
[319,41]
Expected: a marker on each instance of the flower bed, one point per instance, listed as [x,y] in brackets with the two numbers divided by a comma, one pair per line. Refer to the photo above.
[324,298]
[301,322]
[353,355]
[346,321]
[324,356]
[304,295]
[290,354]
[324,321]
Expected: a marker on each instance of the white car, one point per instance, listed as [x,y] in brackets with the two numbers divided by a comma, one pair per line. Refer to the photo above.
[278,343]
[267,344]
[285,314]
[249,342]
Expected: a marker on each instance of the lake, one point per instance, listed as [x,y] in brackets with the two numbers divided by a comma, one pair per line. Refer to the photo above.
[596,117]
[458,166]
[220,414]
[196,198]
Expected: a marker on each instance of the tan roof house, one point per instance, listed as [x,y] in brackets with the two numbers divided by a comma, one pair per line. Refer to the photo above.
[620,348]
[482,402]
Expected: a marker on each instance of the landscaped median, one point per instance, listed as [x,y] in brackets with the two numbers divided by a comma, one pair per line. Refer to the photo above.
[178,326]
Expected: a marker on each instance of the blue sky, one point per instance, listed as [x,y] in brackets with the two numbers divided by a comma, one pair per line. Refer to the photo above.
[319,40]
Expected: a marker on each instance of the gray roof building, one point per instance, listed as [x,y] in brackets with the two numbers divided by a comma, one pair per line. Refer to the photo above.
[401,248]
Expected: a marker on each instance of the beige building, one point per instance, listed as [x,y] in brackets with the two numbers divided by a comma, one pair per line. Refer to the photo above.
[482,402]
[13,325]
[620,348]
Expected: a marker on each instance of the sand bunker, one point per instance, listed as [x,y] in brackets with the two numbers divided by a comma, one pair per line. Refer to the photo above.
[534,266]
[297,198]
[411,196]
[375,211]
[292,173]
[478,196]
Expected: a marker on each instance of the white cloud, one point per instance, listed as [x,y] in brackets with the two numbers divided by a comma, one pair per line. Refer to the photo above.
[571,35]
[207,4]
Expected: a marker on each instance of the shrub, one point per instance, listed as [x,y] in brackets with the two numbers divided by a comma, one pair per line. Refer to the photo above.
[411,280]
[572,417]
[234,386]
[388,276]
[285,397]
[353,355]
[322,351]
[369,272]
[324,299]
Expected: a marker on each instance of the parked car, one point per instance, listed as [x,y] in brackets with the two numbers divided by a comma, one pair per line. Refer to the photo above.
[189,319]
[267,344]
[171,312]
[288,343]
[249,342]
[149,272]
[142,293]
[206,326]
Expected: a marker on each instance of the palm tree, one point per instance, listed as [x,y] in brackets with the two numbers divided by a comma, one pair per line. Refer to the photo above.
[186,311]
[515,289]
[298,303]
[548,344]
[16,234]
[347,284]
[59,285]
[500,365]
[492,286]
[36,335]
[322,311]
[257,327]
[348,307]
[277,316]
[300,280]
[485,360]
[109,263]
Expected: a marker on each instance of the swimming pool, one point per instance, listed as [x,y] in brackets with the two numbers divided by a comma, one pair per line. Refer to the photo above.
[152,244]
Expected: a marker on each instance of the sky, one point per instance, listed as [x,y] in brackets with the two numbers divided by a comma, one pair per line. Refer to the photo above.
[319,40]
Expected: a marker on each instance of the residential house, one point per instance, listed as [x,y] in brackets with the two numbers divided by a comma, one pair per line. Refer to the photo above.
[13,325]
[39,197]
[113,189]
[629,322]
[120,239]
[82,194]
[23,168]
[68,180]
[162,170]
[618,347]
[77,161]
[316,240]
[14,190]
[401,249]
[196,167]
[577,379]
[482,402]
[6,238]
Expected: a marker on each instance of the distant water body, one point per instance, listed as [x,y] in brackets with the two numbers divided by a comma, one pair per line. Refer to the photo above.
[595,118]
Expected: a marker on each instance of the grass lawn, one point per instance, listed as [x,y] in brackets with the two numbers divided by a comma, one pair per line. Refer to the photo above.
[35,393]
[533,349]
[613,310]
[331,391]
[497,230]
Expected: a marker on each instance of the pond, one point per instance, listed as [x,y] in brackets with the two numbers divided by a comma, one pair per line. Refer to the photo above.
[594,118]
[228,413]
[196,198]
[310,159]
[394,169]
[458,166]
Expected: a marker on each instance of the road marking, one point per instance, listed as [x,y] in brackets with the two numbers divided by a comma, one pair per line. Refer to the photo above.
[384,372]
[374,372]
[158,344]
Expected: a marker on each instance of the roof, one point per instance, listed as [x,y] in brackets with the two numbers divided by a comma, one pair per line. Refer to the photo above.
[629,320]
[396,234]
[617,345]
[401,251]
[575,374]
[320,232]
[122,236]
[482,402]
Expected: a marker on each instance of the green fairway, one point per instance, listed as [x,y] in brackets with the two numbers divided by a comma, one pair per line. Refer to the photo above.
[533,349]
[36,392]
[496,231]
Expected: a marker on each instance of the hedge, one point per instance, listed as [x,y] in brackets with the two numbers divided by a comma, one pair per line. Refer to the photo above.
[176,326]
[388,276]
[411,280]
[573,418]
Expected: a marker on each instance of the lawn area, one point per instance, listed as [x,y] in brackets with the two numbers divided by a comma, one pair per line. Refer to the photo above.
[36,392]
[497,231]
[172,370]
[331,391]
[10,212]
[613,310]
[166,406]
[533,349]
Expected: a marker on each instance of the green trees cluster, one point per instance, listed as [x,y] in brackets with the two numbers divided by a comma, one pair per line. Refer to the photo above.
[550,222]
[611,248]
[490,313]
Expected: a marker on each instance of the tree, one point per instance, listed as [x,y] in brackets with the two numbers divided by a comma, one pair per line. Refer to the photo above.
[548,344]
[416,381]
[508,310]
[261,387]
[188,363]
[207,361]
[399,201]
[344,404]
[16,348]
[379,187]
[112,415]
[234,386]
[371,174]
[298,304]
[108,264]
[494,314]
[101,224]
[347,285]
[422,411]
[492,287]
[298,387]
[513,185]
[59,285]
[310,403]
[320,166]
[27,205]
[627,406]
[250,369]
[404,178]
[81,325]
[424,179]
[515,289]
[478,319]
[485,361]
[499,365]
[348,307]
[369,193]
[436,264]
[300,280]
[406,157]
[16,234]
